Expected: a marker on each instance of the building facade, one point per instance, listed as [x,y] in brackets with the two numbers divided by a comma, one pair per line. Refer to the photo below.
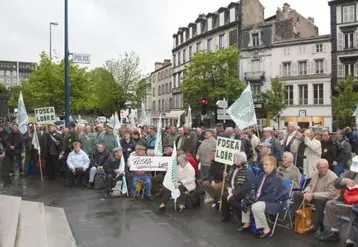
[12,73]
[161,94]
[257,55]
[216,30]
[344,31]
[304,64]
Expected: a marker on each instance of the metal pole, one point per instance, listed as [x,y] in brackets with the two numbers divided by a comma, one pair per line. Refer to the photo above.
[50,40]
[67,86]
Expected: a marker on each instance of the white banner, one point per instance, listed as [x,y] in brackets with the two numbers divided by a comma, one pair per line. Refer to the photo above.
[225,149]
[149,163]
[45,115]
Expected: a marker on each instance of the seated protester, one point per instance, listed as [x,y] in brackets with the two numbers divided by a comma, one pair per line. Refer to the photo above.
[186,182]
[336,208]
[320,190]
[191,160]
[99,159]
[137,139]
[239,184]
[144,176]
[157,180]
[112,169]
[270,189]
[212,184]
[289,171]
[77,162]
[264,151]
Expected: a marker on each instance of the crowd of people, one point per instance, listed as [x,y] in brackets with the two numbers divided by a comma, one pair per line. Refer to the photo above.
[320,166]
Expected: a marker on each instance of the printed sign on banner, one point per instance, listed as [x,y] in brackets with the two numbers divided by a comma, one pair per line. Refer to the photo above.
[45,115]
[149,163]
[225,149]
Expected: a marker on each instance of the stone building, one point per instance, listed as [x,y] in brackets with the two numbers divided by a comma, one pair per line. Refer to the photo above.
[11,72]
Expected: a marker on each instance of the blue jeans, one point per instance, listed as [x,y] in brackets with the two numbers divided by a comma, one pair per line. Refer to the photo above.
[147,183]
[339,169]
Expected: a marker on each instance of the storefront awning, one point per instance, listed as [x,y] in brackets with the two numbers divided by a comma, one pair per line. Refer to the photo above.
[174,114]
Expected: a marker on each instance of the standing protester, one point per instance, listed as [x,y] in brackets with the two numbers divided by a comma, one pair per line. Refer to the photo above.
[276,148]
[180,139]
[190,140]
[329,148]
[255,141]
[128,146]
[86,138]
[151,138]
[108,139]
[70,138]
[204,151]
[290,137]
[13,150]
[344,153]
[54,147]
[246,146]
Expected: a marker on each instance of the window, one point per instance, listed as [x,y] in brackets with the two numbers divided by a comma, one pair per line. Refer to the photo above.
[289,95]
[194,31]
[184,56]
[174,60]
[256,89]
[227,17]
[318,94]
[8,73]
[2,73]
[198,46]
[153,105]
[159,90]
[302,94]
[175,81]
[181,38]
[209,44]
[179,78]
[286,51]
[319,66]
[287,69]
[153,91]
[221,41]
[163,105]
[255,39]
[348,40]
[179,58]
[190,52]
[302,68]
[170,87]
[348,13]
[170,103]
[302,49]
[319,48]
[348,69]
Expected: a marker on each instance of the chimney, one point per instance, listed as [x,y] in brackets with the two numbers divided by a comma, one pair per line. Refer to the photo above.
[286,7]
[157,65]
[311,19]
[166,62]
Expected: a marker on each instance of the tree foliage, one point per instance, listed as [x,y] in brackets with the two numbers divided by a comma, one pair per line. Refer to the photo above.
[275,99]
[345,102]
[3,89]
[100,91]
[211,75]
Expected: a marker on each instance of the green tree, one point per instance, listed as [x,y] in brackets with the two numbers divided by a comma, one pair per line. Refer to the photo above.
[128,81]
[275,99]
[3,89]
[211,75]
[45,87]
[345,102]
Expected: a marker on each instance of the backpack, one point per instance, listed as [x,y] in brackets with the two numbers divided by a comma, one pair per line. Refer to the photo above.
[100,180]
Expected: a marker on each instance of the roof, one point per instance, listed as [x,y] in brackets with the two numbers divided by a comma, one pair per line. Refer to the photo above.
[326,37]
[336,2]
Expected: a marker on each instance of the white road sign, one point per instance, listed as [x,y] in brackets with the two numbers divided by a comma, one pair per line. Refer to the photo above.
[222,104]
[81,58]
[45,115]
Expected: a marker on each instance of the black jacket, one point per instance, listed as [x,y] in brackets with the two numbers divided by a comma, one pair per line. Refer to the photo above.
[244,181]
[112,165]
[99,159]
[127,148]
[70,138]
[246,146]
[13,139]
[216,171]
[344,151]
[330,151]
[54,144]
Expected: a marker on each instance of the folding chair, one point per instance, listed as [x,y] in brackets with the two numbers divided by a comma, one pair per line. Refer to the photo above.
[287,201]
[302,183]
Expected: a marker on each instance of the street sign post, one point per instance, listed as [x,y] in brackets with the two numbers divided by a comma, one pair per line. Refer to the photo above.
[221,113]
[81,58]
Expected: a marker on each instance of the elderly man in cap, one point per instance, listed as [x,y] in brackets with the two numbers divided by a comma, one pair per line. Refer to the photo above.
[276,147]
[204,152]
[78,163]
[335,208]
[264,151]
[108,139]
[151,138]
[54,147]
[112,169]
[190,140]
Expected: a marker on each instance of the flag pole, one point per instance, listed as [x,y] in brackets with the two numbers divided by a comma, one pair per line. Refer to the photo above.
[42,177]
[222,188]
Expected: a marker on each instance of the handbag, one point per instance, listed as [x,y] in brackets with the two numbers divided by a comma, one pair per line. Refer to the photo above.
[303,219]
[351,196]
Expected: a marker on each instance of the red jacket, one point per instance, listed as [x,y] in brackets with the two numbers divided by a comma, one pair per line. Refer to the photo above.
[193,162]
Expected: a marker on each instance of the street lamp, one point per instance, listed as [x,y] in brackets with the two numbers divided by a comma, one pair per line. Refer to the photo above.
[51,24]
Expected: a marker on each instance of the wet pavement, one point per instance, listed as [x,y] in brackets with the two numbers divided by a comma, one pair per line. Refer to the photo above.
[133,223]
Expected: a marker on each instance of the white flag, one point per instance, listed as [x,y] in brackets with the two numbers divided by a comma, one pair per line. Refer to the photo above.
[22,118]
[158,146]
[171,176]
[122,168]
[242,111]
[356,115]
[35,140]
[188,119]
[116,127]
[143,120]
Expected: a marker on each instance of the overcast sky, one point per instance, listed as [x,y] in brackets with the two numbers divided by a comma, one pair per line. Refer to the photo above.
[107,28]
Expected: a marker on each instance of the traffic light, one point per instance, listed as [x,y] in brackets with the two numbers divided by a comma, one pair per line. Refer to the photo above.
[204,103]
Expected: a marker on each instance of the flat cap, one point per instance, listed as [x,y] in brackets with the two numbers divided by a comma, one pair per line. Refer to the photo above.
[117,149]
[265,144]
[268,129]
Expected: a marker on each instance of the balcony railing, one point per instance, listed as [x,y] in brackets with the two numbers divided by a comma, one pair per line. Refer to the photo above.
[255,76]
